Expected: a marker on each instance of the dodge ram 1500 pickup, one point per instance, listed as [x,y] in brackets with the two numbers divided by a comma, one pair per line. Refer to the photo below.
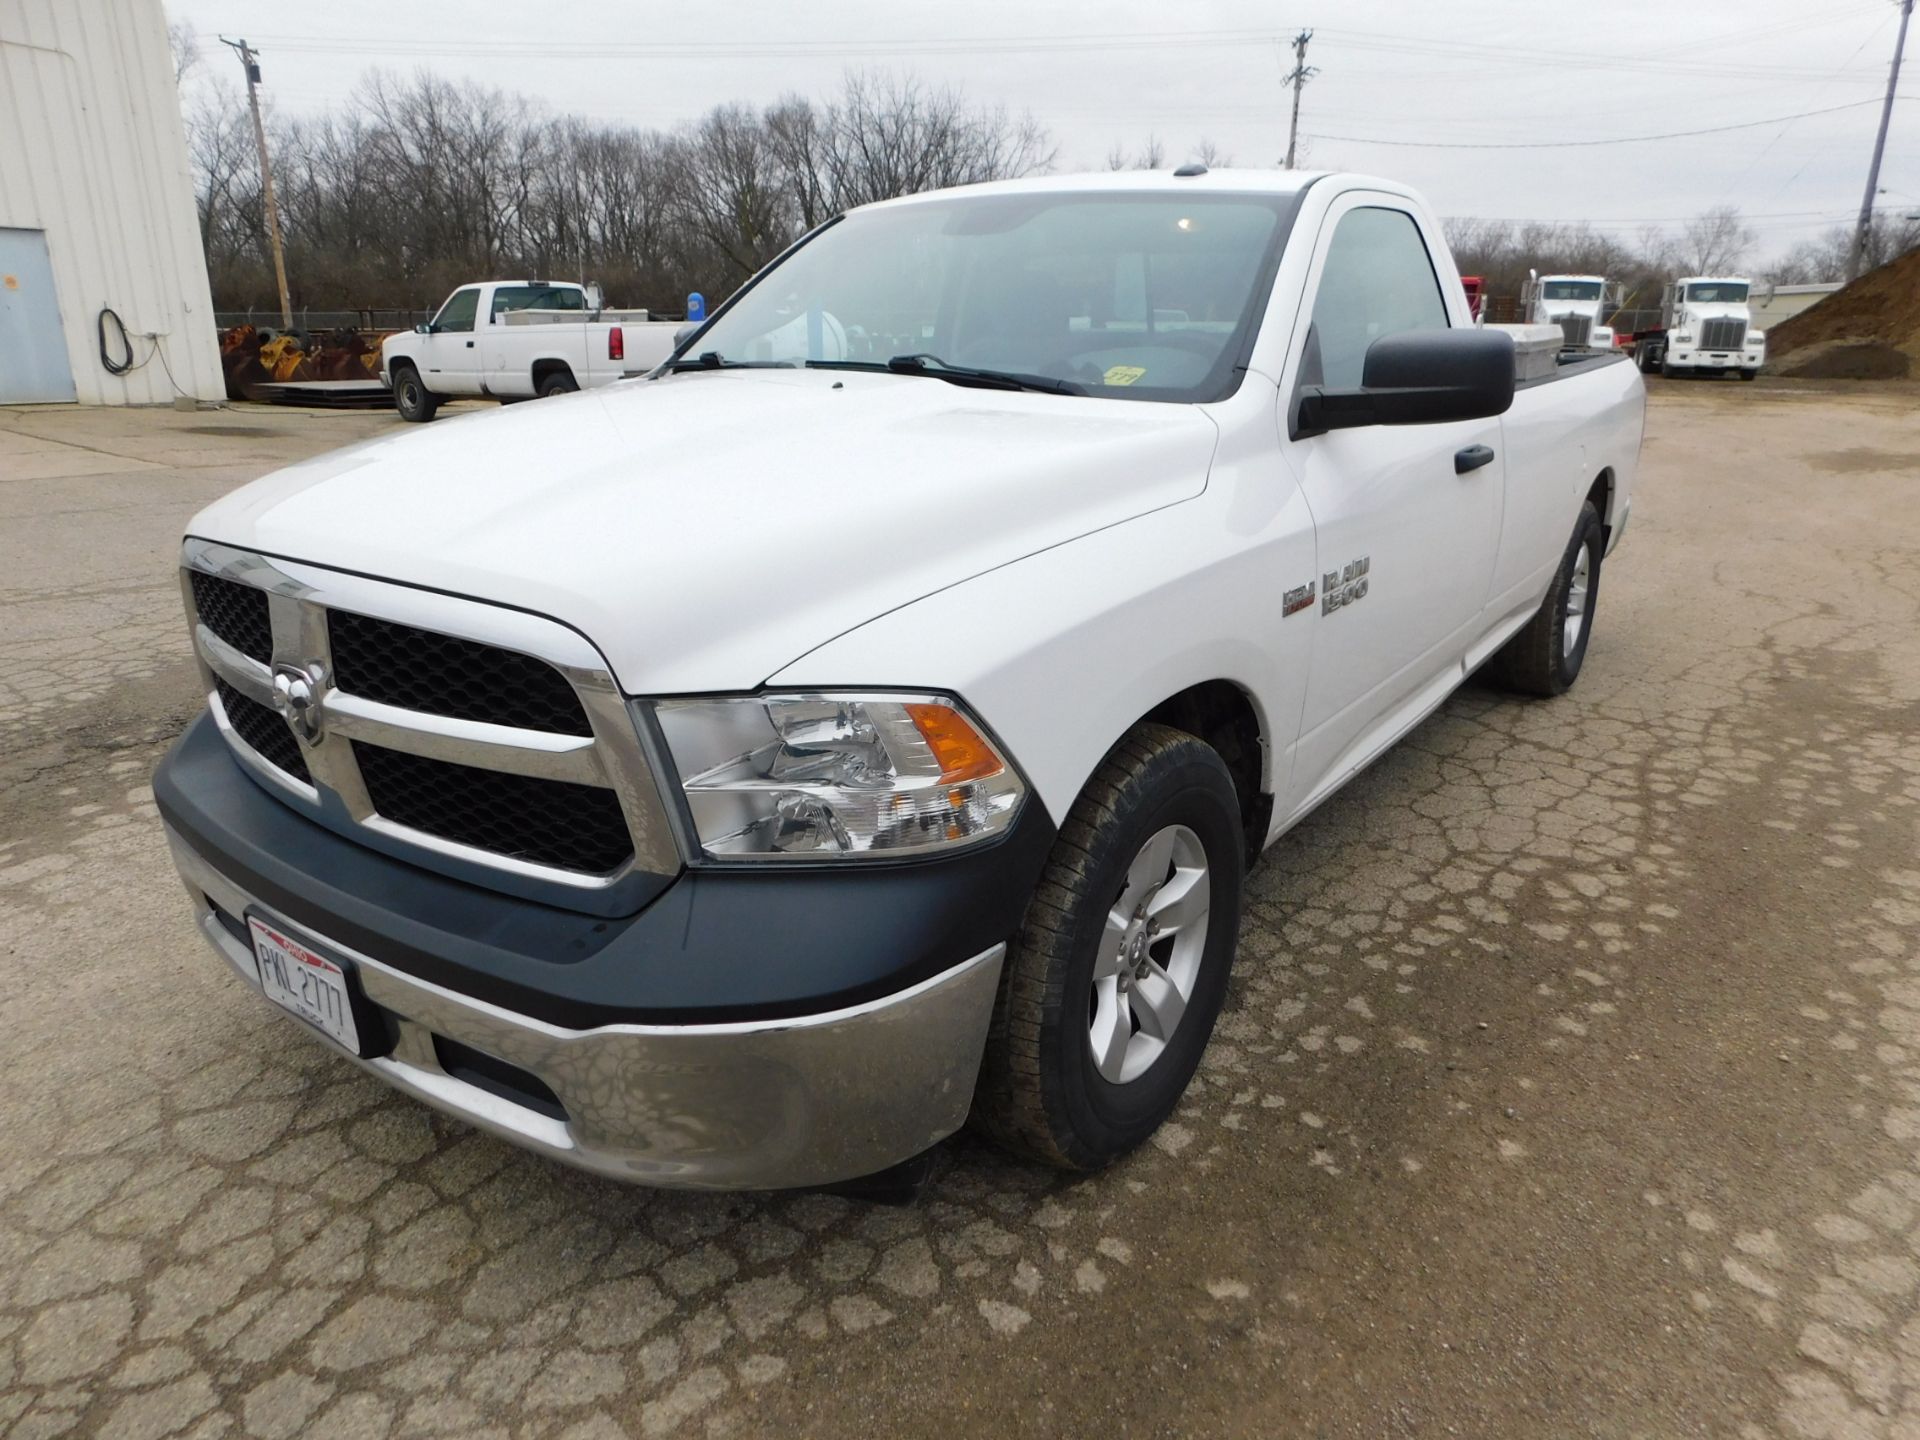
[742,775]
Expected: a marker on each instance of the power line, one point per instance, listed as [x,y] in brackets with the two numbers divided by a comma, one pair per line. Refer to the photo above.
[1614,140]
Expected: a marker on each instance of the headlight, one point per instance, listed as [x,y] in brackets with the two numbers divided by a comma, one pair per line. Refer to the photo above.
[831,776]
[1684,338]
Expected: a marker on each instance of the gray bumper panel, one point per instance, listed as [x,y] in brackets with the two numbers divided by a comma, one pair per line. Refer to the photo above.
[755,1105]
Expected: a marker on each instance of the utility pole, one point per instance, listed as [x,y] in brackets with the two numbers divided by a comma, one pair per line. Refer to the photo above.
[1303,72]
[1860,232]
[250,60]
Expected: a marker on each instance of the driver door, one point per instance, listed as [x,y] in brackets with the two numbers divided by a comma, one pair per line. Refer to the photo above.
[450,359]
[1406,522]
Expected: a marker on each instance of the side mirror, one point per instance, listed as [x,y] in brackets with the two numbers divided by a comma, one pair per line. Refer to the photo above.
[1420,377]
[686,332]
[425,327]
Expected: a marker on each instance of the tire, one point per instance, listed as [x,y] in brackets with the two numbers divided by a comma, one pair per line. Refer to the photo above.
[1668,372]
[1543,659]
[1748,374]
[558,382]
[1161,805]
[411,397]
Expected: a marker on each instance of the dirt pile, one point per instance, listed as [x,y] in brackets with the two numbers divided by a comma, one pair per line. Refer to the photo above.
[1882,305]
[1845,360]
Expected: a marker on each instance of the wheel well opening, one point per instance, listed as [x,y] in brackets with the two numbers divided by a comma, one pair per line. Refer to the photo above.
[542,369]
[1601,494]
[1220,713]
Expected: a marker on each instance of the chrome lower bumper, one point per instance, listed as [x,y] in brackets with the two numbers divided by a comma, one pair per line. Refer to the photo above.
[752,1105]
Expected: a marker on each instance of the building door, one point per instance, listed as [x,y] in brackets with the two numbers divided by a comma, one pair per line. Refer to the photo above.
[33,347]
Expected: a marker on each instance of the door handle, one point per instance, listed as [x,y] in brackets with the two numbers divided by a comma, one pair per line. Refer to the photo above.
[1472,458]
[1489,453]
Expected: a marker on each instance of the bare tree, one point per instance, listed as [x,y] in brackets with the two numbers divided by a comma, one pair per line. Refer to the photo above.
[1149,157]
[1208,154]
[1714,242]
[184,41]
[417,184]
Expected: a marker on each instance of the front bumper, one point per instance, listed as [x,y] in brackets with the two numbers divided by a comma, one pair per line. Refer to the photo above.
[749,1028]
[1687,358]
[767,1104]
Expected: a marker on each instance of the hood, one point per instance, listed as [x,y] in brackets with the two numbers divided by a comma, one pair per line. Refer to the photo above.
[706,529]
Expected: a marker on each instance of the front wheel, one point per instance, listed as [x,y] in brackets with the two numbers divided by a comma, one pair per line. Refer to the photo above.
[1545,657]
[1749,374]
[1111,989]
[411,397]
[560,382]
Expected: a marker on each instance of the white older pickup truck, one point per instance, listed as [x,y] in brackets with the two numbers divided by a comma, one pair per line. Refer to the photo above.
[514,339]
[739,777]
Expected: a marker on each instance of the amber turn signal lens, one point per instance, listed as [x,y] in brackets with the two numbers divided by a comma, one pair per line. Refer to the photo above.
[962,754]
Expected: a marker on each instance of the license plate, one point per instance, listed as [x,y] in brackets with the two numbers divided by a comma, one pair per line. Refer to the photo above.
[309,984]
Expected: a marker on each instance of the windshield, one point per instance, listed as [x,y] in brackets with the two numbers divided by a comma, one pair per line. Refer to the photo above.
[1141,297]
[1572,290]
[1719,292]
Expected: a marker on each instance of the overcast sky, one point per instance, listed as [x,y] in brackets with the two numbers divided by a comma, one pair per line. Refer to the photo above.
[1464,77]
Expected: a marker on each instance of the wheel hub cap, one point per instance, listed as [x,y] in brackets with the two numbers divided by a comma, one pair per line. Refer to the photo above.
[1149,955]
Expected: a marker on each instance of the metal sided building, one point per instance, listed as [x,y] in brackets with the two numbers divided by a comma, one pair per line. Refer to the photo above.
[97,211]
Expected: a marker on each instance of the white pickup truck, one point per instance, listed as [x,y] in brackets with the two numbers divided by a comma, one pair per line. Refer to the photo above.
[740,776]
[514,339]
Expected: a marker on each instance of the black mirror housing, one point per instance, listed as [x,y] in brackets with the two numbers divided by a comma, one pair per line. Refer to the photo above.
[1419,377]
[425,327]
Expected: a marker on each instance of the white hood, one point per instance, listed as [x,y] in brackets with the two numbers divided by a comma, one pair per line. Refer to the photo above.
[706,529]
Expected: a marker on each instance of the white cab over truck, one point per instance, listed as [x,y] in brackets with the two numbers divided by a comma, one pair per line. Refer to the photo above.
[1706,327]
[1578,304]
[741,776]
[514,339]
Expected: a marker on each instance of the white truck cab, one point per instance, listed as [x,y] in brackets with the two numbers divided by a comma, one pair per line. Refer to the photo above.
[514,339]
[1577,304]
[1706,327]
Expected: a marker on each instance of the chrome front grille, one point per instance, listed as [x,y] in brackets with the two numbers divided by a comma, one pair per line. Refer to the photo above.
[1578,329]
[477,736]
[1723,333]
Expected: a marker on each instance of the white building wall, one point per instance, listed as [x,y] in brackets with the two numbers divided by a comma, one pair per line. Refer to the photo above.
[92,151]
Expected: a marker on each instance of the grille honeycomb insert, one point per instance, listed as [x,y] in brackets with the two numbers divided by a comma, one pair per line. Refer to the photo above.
[547,822]
[236,613]
[263,729]
[444,675]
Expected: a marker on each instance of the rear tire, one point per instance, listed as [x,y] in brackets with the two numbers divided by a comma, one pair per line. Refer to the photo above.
[558,382]
[1113,984]
[1545,657]
[411,397]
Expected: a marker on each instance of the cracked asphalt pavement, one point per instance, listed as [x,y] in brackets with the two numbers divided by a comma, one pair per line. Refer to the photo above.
[1569,1083]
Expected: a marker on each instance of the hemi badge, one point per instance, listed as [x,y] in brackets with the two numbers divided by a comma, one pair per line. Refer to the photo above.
[1297,599]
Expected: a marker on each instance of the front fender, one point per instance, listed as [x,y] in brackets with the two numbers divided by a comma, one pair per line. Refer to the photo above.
[1062,652]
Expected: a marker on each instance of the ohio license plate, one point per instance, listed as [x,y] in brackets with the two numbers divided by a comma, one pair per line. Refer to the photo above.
[310,985]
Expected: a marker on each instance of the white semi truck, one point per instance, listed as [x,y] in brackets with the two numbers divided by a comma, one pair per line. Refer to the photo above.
[1706,327]
[1578,304]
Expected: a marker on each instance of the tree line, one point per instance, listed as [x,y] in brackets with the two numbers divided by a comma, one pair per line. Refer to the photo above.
[420,184]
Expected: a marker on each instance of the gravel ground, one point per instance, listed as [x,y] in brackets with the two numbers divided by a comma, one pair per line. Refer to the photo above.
[1569,1083]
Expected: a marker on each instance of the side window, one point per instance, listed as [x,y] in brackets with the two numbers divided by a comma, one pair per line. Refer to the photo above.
[457,314]
[1378,280]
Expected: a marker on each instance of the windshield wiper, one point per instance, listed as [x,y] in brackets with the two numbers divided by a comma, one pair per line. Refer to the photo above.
[935,368]
[714,360]
[925,364]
